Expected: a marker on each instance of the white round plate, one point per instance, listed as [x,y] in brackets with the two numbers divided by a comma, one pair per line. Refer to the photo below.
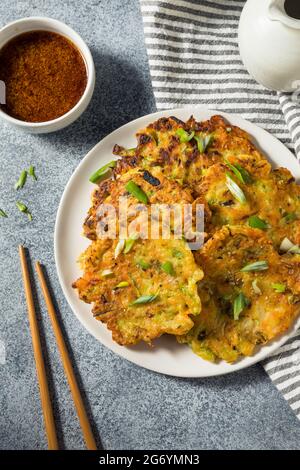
[167,356]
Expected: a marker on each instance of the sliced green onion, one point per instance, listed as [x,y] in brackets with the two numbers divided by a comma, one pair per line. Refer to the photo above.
[122,284]
[255,222]
[24,209]
[203,142]
[145,299]
[184,136]
[168,268]
[128,245]
[257,266]
[235,190]
[119,248]
[256,288]
[22,180]
[295,250]
[31,172]
[107,273]
[143,264]
[244,173]
[290,217]
[21,206]
[177,253]
[288,247]
[130,242]
[240,302]
[279,288]
[137,192]
[239,172]
[2,213]
[102,173]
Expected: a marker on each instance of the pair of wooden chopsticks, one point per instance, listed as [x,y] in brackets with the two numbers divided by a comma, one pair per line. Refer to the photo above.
[40,365]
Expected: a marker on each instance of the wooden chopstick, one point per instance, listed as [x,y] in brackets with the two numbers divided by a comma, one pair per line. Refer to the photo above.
[38,356]
[79,405]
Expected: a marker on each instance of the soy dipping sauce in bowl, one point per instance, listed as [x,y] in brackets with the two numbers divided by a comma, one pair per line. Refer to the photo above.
[48,75]
[44,74]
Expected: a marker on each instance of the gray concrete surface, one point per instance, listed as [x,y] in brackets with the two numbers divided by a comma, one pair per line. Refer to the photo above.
[131,408]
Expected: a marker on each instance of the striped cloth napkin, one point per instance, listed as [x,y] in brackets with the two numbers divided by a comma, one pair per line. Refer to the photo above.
[194,59]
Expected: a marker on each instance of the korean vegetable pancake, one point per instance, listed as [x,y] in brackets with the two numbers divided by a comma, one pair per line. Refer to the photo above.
[156,189]
[270,202]
[249,294]
[140,288]
[143,293]
[184,151]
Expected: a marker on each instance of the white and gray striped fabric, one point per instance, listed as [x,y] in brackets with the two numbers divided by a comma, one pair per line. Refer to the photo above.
[194,59]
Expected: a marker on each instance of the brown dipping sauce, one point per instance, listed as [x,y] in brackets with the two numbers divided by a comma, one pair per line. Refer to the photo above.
[44,75]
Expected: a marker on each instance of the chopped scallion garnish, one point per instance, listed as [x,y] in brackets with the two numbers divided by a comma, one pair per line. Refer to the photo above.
[295,250]
[239,172]
[177,253]
[122,284]
[130,242]
[257,266]
[256,288]
[279,288]
[290,217]
[119,247]
[2,213]
[31,172]
[184,135]
[103,172]
[143,264]
[203,142]
[288,247]
[24,209]
[244,173]
[239,304]
[22,180]
[137,192]
[107,273]
[235,190]
[255,222]
[168,268]
[145,299]
[21,206]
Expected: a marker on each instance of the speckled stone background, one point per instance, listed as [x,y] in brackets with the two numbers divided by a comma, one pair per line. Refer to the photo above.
[131,408]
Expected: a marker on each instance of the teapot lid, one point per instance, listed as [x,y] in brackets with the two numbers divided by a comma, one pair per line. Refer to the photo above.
[281,10]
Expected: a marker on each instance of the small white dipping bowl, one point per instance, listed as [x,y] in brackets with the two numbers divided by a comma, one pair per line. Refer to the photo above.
[48,24]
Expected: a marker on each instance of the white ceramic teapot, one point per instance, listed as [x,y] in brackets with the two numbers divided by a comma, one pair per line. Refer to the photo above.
[269,40]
